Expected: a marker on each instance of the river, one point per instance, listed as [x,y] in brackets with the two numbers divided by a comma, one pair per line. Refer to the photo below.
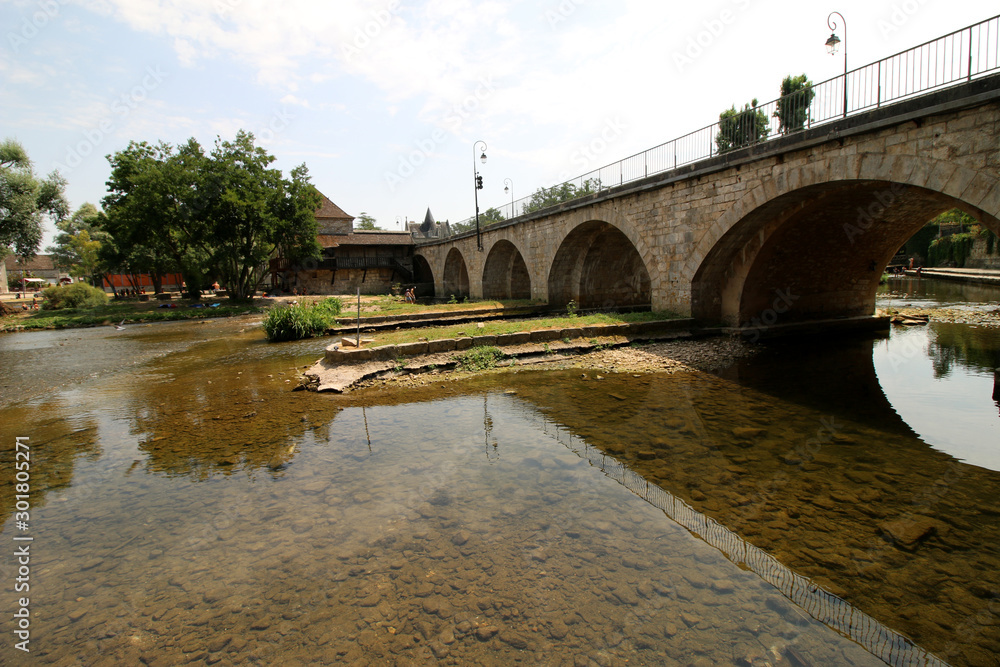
[829,502]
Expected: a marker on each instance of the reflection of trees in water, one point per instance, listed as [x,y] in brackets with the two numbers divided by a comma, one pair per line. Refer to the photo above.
[54,448]
[950,344]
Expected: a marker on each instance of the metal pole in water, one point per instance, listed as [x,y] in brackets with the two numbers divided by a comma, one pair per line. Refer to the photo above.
[358,340]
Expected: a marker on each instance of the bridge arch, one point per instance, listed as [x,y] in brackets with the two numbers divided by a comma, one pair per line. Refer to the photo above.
[456,274]
[505,273]
[423,276]
[598,266]
[811,242]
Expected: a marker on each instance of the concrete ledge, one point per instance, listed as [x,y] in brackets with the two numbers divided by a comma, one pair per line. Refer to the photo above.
[441,345]
[479,341]
[571,333]
[518,338]
[412,349]
[545,335]
[384,352]
[463,343]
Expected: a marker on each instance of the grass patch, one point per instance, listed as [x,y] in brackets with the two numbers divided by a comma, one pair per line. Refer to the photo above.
[480,358]
[131,313]
[300,320]
[395,305]
[499,327]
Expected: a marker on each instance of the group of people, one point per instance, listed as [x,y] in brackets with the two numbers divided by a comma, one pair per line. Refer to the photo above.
[127,293]
[410,295]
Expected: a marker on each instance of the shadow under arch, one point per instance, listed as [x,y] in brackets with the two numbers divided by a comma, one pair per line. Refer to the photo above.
[423,276]
[505,275]
[813,253]
[598,266]
[456,274]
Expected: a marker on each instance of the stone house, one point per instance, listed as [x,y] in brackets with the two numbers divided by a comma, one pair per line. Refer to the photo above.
[370,260]
[39,266]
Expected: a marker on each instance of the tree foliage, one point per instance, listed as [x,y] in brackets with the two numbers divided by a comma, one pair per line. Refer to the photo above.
[221,215]
[366,222]
[793,106]
[545,197]
[738,129]
[77,246]
[25,200]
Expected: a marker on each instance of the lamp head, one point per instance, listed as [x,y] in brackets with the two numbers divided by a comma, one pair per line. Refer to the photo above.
[833,44]
[482,158]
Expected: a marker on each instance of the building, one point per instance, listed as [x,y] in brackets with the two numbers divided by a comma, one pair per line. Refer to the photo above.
[372,261]
[40,271]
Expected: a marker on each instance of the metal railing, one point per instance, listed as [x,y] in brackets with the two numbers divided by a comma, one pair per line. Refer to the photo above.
[957,57]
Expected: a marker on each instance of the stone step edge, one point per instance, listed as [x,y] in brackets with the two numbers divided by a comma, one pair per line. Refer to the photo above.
[321,377]
[393,352]
[346,320]
[432,319]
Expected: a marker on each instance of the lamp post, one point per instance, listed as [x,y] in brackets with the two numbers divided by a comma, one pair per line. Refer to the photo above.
[833,43]
[508,186]
[477,182]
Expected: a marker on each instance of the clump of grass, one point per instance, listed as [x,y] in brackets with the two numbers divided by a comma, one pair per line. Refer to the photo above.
[331,305]
[77,295]
[300,320]
[481,358]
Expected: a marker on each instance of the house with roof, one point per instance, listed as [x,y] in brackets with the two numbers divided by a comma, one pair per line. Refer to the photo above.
[40,271]
[372,261]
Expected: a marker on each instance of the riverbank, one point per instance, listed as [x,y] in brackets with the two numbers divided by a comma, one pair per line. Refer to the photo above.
[989,318]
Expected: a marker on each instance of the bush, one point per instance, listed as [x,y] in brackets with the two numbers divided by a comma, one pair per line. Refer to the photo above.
[300,321]
[331,305]
[77,295]
[481,358]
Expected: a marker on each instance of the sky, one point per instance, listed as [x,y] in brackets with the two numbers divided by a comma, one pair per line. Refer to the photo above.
[384,100]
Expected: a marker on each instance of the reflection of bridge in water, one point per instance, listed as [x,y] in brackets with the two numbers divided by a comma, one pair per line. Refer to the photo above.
[827,608]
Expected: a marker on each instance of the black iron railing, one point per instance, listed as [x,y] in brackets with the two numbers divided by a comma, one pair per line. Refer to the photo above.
[955,58]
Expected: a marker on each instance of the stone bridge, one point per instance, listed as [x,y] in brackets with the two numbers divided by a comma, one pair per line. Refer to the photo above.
[795,229]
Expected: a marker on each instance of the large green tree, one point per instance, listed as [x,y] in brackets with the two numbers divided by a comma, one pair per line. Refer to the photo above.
[222,215]
[77,246]
[366,222]
[25,200]
[253,212]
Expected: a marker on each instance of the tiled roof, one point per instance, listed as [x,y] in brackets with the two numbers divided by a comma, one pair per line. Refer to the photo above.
[327,209]
[37,263]
[365,238]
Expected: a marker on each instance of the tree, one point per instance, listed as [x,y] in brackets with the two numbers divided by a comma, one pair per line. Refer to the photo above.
[793,107]
[366,222]
[25,200]
[77,246]
[545,197]
[490,216]
[221,215]
[741,128]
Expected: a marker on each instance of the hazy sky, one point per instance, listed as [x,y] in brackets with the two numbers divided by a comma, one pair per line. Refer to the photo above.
[383,100]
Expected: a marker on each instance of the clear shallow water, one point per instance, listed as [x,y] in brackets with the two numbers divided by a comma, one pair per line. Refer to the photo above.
[914,292]
[189,507]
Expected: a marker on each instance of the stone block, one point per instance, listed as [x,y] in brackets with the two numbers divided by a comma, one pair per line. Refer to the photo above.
[412,349]
[355,355]
[384,352]
[483,341]
[545,335]
[463,343]
[571,333]
[441,345]
[518,338]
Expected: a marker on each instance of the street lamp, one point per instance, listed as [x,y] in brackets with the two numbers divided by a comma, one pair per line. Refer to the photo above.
[508,186]
[477,182]
[832,45]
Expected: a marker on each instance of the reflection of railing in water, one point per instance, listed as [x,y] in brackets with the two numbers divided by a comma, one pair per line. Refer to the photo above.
[834,612]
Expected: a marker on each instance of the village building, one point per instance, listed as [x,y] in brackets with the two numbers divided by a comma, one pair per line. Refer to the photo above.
[38,272]
[369,261]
